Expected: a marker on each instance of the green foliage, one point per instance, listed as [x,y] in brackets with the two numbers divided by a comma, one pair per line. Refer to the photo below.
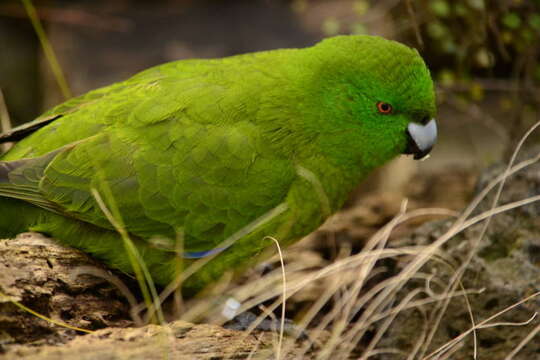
[47,48]
[481,38]
[474,46]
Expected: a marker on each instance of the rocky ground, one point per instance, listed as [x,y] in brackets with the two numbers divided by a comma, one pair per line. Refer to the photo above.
[501,267]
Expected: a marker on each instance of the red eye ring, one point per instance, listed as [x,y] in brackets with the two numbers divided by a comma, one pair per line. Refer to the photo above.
[384,108]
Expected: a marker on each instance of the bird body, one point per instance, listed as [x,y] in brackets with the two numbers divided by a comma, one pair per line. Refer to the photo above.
[202,152]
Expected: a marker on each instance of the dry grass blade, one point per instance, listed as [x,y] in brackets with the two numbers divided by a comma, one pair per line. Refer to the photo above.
[318,187]
[423,302]
[142,274]
[458,226]
[475,244]
[506,323]
[254,350]
[421,337]
[284,299]
[264,289]
[524,342]
[43,317]
[478,326]
[378,241]
[197,265]
[5,122]
[296,284]
[379,297]
[47,48]
[468,223]
[386,324]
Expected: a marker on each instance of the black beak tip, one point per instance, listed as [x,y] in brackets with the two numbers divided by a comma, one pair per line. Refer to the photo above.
[421,154]
[413,149]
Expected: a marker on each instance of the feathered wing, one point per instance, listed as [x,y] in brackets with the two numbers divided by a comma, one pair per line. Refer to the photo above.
[168,169]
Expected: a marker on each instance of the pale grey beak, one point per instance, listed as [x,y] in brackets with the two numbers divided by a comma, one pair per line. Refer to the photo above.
[421,138]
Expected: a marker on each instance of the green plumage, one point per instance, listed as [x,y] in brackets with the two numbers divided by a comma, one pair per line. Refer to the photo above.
[267,143]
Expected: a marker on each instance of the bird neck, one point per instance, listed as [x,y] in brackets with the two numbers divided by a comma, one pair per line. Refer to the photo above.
[336,181]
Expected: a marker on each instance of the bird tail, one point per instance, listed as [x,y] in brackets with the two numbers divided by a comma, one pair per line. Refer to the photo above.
[16,216]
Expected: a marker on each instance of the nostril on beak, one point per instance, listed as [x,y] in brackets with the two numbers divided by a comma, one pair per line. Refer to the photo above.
[425,120]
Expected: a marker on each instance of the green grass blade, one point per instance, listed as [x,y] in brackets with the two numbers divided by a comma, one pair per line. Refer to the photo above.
[47,48]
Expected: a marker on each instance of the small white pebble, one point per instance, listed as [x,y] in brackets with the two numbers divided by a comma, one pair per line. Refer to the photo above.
[231,307]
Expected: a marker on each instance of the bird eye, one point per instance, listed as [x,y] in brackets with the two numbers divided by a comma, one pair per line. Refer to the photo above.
[384,108]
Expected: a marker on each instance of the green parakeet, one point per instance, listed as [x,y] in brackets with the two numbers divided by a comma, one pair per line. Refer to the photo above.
[210,157]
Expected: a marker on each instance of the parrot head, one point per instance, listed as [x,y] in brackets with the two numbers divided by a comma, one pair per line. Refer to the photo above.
[376,100]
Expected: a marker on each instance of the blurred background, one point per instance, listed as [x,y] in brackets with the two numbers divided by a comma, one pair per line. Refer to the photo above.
[484,56]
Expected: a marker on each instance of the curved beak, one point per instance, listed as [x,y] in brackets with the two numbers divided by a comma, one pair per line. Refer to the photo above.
[421,139]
